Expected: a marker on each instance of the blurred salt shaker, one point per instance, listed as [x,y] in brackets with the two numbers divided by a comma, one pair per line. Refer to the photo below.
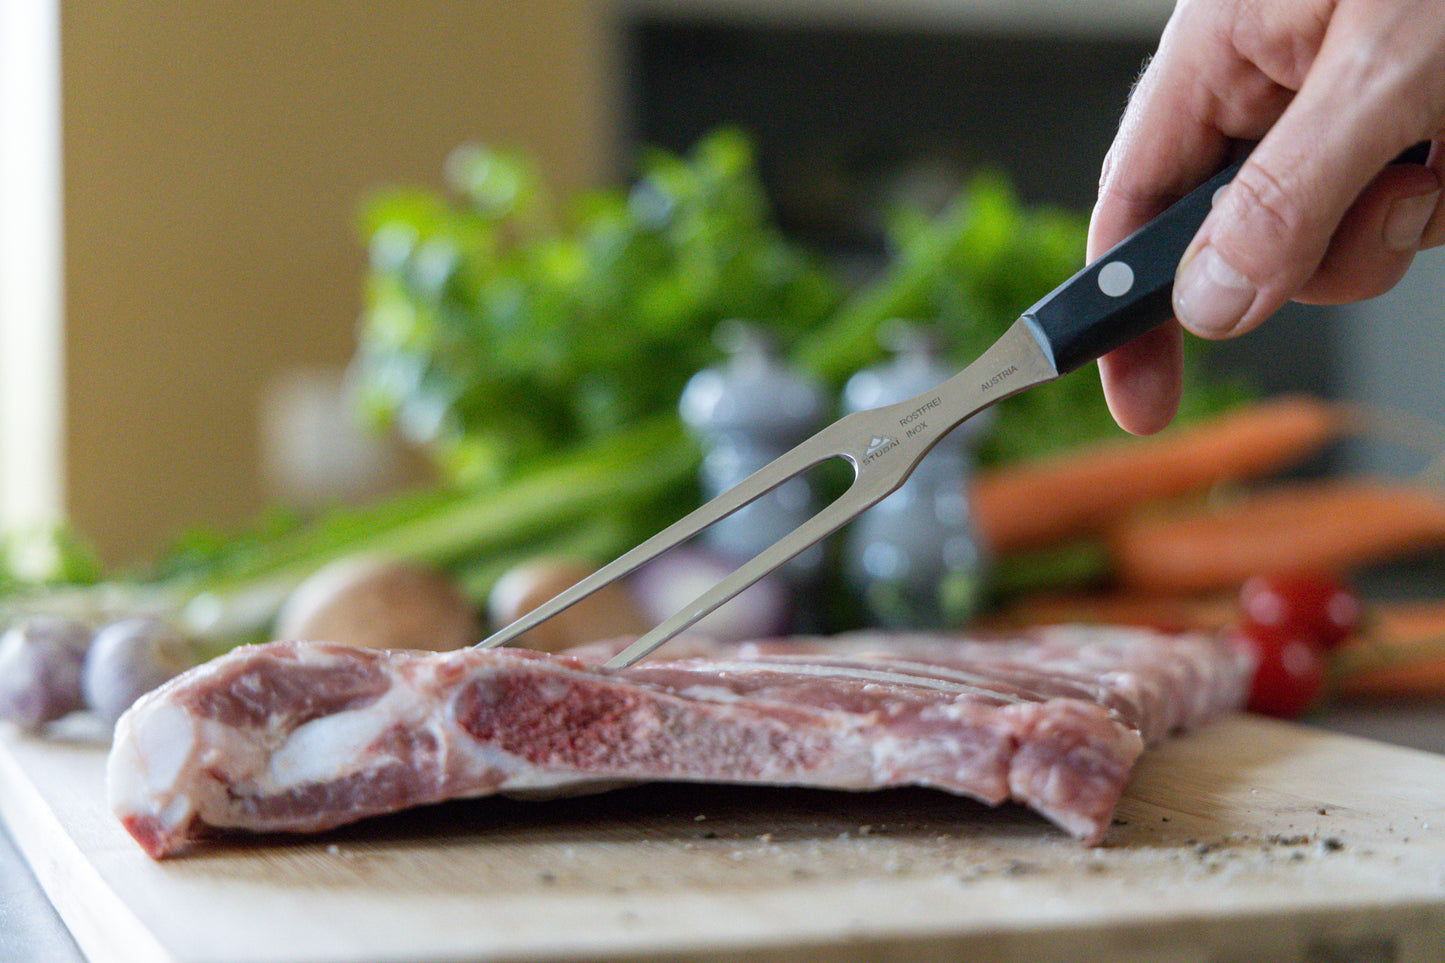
[747,412]
[914,558]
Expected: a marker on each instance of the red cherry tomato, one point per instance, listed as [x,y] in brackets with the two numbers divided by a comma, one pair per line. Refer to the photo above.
[1290,677]
[1299,604]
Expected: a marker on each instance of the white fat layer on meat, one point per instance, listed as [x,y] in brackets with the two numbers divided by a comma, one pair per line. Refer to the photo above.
[468,761]
[709,693]
[866,675]
[152,750]
[979,685]
[885,755]
[889,663]
[534,783]
[896,761]
[331,746]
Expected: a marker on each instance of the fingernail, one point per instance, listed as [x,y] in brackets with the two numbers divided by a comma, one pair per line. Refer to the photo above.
[1210,297]
[1409,216]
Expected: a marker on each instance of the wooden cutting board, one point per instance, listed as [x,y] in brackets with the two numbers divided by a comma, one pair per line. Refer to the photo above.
[1250,840]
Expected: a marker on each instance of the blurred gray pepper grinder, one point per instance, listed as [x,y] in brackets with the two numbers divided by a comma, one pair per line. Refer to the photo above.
[748,412]
[915,558]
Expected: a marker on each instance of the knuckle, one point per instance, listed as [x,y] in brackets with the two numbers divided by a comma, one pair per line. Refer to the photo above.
[1281,40]
[1270,210]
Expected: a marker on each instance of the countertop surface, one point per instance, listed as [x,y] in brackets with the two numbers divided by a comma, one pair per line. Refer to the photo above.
[30,930]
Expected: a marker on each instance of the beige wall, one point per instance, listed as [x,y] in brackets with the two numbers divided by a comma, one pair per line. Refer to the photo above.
[215,154]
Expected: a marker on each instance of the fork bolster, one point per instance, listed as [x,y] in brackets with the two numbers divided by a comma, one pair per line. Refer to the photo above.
[1126,292]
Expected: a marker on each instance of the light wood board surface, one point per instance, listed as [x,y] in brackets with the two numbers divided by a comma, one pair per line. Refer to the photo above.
[1250,840]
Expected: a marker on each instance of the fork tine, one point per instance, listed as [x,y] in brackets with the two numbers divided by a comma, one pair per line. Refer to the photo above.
[829,519]
[799,459]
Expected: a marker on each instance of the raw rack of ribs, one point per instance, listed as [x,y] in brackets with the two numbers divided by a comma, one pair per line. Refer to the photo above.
[301,737]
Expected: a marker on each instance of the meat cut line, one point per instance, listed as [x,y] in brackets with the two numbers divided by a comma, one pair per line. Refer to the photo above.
[304,737]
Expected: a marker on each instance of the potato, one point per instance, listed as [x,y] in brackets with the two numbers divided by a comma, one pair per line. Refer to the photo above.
[377,603]
[608,613]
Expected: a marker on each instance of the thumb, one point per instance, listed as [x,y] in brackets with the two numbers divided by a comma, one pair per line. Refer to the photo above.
[1291,240]
[1268,233]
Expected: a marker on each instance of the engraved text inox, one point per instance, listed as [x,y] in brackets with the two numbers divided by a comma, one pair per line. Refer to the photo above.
[913,423]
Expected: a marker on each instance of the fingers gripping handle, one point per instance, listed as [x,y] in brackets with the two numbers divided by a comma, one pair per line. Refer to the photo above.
[1126,292]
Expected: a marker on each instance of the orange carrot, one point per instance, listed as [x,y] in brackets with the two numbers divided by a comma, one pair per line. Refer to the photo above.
[1078,490]
[1327,525]
[1407,621]
[1415,672]
[1400,653]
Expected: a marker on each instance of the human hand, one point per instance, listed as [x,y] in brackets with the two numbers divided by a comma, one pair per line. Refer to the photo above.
[1332,90]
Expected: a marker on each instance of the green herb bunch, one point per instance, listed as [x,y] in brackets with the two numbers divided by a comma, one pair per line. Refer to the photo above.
[496,330]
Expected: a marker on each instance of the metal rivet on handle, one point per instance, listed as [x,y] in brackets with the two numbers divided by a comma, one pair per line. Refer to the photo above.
[1116,278]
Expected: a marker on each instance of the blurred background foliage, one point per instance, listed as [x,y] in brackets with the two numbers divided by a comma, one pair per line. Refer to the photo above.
[537,355]
[498,327]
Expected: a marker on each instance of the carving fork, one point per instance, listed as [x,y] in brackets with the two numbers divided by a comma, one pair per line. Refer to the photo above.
[1123,294]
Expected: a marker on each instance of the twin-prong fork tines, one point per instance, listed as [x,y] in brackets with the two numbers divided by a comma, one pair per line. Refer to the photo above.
[882,446]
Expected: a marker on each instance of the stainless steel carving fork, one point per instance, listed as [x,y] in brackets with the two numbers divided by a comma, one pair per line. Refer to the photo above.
[1116,298]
